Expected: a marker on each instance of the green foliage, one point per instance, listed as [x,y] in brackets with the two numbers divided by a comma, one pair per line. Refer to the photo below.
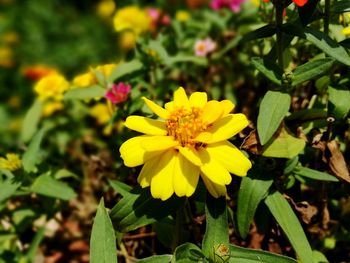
[102,242]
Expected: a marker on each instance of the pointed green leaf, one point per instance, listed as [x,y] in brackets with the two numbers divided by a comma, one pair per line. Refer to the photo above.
[314,174]
[31,121]
[48,186]
[216,233]
[92,92]
[125,69]
[120,187]
[8,188]
[273,107]
[103,247]
[139,208]
[270,69]
[253,189]
[31,157]
[311,70]
[262,32]
[290,225]
[245,255]
[285,145]
[327,45]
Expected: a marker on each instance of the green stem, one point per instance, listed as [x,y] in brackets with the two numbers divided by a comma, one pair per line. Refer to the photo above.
[326,16]
[279,33]
[178,227]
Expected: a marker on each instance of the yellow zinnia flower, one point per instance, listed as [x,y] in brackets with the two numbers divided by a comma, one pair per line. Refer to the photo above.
[182,15]
[11,163]
[51,87]
[191,140]
[132,18]
[105,8]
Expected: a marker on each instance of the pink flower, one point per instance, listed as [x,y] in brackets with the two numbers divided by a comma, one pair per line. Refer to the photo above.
[203,47]
[158,17]
[234,5]
[118,93]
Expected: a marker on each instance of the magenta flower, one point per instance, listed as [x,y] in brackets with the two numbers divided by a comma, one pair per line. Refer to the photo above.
[203,47]
[234,5]
[118,93]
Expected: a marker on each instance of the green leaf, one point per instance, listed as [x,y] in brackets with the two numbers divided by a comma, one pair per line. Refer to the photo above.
[327,45]
[34,244]
[311,70]
[319,257]
[156,259]
[63,173]
[165,230]
[245,255]
[270,69]
[308,114]
[216,233]
[125,69]
[188,253]
[339,102]
[31,121]
[85,93]
[273,107]
[139,208]
[285,145]
[103,247]
[262,32]
[48,186]
[290,225]
[253,189]
[306,12]
[182,58]
[314,174]
[120,187]
[339,7]
[31,157]
[8,188]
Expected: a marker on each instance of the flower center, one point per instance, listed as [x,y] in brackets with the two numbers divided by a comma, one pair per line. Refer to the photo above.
[185,124]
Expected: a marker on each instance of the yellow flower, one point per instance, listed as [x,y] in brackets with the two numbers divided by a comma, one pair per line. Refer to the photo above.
[189,142]
[182,16]
[127,39]
[51,107]
[6,57]
[51,87]
[132,18]
[346,31]
[12,162]
[89,78]
[105,8]
[101,113]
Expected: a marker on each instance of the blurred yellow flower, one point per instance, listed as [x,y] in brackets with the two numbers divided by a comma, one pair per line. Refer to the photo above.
[182,15]
[346,31]
[51,87]
[256,2]
[189,142]
[36,72]
[51,107]
[132,18]
[6,57]
[12,162]
[105,8]
[101,113]
[10,38]
[89,78]
[127,39]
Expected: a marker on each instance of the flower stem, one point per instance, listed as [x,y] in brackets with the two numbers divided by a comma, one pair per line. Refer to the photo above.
[326,16]
[279,33]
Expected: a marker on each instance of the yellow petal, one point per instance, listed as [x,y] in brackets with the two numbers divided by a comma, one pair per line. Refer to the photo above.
[162,182]
[198,99]
[186,176]
[180,98]
[190,154]
[228,106]
[147,171]
[158,143]
[146,125]
[213,169]
[227,127]
[133,154]
[214,189]
[212,111]
[169,106]
[229,157]
[203,137]
[163,113]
